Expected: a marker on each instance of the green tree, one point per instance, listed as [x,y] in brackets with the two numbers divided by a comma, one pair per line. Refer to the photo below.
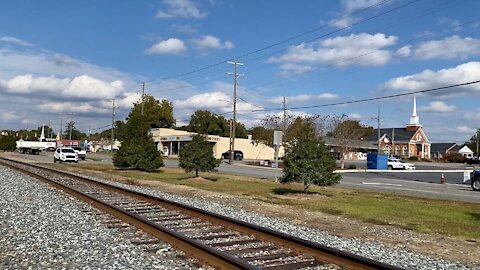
[206,122]
[7,143]
[138,153]
[197,155]
[472,144]
[308,160]
[71,128]
[156,113]
[138,149]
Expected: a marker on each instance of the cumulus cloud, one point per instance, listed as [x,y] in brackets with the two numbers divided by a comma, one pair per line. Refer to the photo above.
[211,42]
[169,46]
[304,98]
[449,48]
[472,115]
[353,50]
[427,79]
[180,8]
[82,86]
[438,107]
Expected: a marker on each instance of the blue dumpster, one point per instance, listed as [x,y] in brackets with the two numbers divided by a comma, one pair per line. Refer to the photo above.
[377,161]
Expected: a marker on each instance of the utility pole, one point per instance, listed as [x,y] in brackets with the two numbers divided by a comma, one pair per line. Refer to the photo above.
[478,134]
[61,126]
[113,123]
[284,116]
[393,142]
[143,94]
[234,121]
[378,128]
[70,125]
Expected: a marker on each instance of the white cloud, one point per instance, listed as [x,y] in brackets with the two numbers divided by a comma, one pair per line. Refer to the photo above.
[355,5]
[14,40]
[427,79]
[82,86]
[344,21]
[303,98]
[449,48]
[10,116]
[472,115]
[349,7]
[355,116]
[405,51]
[180,8]
[209,100]
[465,129]
[211,42]
[169,46]
[438,106]
[353,50]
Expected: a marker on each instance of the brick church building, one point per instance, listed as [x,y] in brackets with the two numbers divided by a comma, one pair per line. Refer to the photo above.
[408,141]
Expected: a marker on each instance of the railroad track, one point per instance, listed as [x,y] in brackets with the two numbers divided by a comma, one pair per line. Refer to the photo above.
[215,240]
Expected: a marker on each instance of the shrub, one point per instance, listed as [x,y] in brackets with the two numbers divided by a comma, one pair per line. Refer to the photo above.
[455,158]
[308,160]
[352,166]
[413,158]
[197,156]
[140,154]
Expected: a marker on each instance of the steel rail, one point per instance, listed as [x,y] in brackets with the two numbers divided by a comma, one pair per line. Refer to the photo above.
[321,252]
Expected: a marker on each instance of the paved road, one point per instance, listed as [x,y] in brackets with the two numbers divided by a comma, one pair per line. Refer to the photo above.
[424,184]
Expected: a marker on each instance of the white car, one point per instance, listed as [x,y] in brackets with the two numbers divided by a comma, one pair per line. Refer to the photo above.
[399,164]
[65,154]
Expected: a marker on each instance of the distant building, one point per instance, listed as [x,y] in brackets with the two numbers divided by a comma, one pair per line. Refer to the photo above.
[170,141]
[442,150]
[409,141]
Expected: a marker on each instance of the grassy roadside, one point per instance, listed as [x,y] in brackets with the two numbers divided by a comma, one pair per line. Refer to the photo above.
[423,215]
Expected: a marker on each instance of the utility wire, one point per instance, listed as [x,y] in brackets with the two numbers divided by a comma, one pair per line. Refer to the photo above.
[367,99]
[288,39]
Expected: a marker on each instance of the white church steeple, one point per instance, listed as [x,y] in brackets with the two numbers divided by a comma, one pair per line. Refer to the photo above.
[414,120]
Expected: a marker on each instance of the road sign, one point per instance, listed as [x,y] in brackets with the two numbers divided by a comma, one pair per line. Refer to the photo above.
[277,137]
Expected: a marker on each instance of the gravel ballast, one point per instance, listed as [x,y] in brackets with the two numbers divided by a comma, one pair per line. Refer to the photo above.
[42,228]
[101,245]
[400,257]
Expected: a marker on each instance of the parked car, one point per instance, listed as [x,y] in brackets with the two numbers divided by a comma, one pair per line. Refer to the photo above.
[65,154]
[475,180]
[398,164]
[82,154]
[473,161]
[237,155]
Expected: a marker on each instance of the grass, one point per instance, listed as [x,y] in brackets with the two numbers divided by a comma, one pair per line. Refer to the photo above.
[445,217]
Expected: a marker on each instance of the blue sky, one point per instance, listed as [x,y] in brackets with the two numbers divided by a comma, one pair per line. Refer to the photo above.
[58,57]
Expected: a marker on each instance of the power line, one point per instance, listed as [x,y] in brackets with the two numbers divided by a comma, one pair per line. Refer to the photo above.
[367,99]
[277,43]
[423,13]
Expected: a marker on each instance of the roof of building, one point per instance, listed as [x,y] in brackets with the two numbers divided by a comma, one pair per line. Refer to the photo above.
[443,147]
[399,134]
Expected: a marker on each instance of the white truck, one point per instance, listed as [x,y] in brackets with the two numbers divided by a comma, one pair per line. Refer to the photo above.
[33,147]
[82,153]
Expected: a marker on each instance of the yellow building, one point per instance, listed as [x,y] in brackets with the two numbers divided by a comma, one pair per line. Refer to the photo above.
[171,141]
